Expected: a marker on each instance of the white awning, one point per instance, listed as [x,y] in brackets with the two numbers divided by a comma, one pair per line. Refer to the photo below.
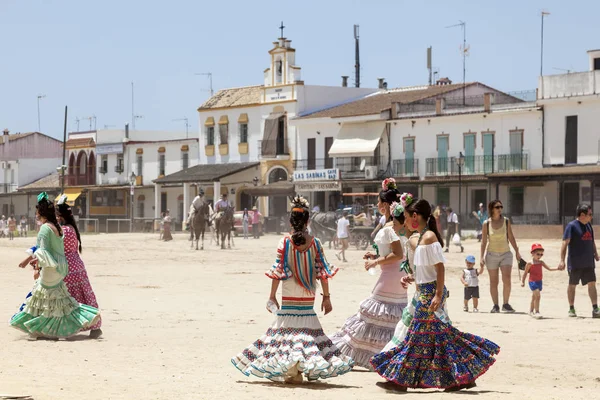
[357,140]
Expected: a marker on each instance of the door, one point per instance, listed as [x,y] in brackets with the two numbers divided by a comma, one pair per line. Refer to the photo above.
[516,150]
[469,154]
[328,160]
[516,195]
[409,155]
[163,202]
[442,158]
[571,140]
[478,196]
[488,153]
[442,197]
[281,145]
[311,153]
[571,199]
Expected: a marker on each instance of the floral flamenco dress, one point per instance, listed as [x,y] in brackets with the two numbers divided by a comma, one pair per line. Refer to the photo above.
[368,331]
[434,354]
[295,343]
[50,311]
[77,280]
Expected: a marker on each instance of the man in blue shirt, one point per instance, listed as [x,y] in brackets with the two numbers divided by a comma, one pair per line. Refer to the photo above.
[579,238]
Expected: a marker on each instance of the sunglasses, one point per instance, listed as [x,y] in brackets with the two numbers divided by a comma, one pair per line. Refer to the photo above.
[539,254]
[498,207]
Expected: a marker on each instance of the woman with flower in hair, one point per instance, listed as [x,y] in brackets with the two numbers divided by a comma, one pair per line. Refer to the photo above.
[368,331]
[77,280]
[433,354]
[295,346]
[50,311]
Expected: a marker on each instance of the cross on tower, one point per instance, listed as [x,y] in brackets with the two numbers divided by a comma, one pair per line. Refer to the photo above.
[282,28]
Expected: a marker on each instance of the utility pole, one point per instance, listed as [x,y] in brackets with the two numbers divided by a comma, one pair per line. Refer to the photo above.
[40,96]
[63,166]
[544,13]
[209,74]
[356,56]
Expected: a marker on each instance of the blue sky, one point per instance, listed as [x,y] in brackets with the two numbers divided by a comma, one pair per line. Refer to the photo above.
[85,54]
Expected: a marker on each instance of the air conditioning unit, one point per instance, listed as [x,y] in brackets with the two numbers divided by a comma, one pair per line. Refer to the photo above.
[371,172]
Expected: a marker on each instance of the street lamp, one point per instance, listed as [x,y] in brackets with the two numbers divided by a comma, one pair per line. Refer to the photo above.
[460,161]
[40,96]
[132,183]
[255,183]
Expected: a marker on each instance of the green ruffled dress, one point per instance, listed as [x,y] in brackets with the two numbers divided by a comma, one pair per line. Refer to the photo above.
[50,311]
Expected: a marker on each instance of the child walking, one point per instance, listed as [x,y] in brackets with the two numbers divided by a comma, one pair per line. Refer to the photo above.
[470,278]
[534,269]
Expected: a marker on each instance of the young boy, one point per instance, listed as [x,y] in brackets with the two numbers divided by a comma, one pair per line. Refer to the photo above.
[470,278]
[343,234]
[534,269]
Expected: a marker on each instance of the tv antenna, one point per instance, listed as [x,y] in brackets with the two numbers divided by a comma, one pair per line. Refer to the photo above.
[90,119]
[209,74]
[568,71]
[465,52]
[77,120]
[187,125]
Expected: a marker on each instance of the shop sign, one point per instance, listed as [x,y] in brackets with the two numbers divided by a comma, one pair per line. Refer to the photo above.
[318,187]
[320,175]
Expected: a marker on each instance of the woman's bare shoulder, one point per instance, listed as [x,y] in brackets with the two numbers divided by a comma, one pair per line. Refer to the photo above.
[429,238]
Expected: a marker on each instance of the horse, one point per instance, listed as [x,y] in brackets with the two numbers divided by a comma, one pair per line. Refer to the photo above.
[324,226]
[224,225]
[199,224]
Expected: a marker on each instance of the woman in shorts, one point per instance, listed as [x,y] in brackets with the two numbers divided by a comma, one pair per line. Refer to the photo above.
[496,255]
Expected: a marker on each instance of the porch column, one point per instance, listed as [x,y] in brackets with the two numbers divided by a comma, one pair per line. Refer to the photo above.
[593,183]
[216,192]
[186,199]
[561,204]
[157,188]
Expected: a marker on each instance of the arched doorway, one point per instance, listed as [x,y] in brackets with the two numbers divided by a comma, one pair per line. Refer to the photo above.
[82,168]
[277,204]
[245,201]
[72,170]
[91,171]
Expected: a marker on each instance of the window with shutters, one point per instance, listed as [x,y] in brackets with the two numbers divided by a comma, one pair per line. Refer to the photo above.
[571,140]
[210,135]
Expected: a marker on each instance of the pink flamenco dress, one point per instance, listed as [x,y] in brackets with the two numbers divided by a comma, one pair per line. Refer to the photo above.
[77,280]
[368,331]
[295,344]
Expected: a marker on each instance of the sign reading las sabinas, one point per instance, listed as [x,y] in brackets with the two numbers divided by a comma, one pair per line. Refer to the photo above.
[317,175]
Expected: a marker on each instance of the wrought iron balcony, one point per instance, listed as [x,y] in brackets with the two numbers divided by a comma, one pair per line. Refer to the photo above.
[477,165]
[407,167]
[313,163]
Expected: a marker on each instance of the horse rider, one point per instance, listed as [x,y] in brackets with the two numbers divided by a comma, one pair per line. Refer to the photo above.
[221,206]
[195,206]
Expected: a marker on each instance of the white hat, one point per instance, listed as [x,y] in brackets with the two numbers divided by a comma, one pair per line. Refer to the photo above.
[480,204]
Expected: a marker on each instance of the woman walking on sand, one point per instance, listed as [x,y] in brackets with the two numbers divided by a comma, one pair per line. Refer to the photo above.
[434,354]
[368,331]
[50,311]
[496,234]
[77,280]
[167,227]
[295,347]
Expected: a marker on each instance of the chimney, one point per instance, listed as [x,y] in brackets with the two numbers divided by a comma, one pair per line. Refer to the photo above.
[394,111]
[344,81]
[381,82]
[5,132]
[488,100]
[440,104]
[126,131]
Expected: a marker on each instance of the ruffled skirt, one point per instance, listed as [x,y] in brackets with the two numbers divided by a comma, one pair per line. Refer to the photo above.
[367,332]
[79,285]
[434,354]
[53,313]
[294,344]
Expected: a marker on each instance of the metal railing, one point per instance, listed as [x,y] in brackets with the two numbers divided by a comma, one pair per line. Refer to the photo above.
[353,164]
[477,165]
[88,225]
[536,219]
[407,167]
[314,163]
[7,187]
[273,148]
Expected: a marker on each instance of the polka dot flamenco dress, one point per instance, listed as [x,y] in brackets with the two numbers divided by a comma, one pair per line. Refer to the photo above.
[295,344]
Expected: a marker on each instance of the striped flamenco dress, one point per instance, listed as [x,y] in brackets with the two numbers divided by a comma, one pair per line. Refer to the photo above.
[295,343]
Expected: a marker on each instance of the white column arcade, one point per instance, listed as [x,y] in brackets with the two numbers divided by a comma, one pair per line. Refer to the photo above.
[157,188]
[186,199]
[216,192]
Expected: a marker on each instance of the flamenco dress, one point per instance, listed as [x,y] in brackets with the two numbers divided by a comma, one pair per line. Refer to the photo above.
[295,343]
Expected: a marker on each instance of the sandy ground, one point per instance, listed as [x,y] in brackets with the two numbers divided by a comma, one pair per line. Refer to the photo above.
[173,318]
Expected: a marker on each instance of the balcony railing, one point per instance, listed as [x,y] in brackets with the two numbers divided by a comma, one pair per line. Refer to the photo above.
[78,180]
[119,169]
[313,163]
[477,165]
[273,148]
[350,166]
[407,167]
[7,187]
